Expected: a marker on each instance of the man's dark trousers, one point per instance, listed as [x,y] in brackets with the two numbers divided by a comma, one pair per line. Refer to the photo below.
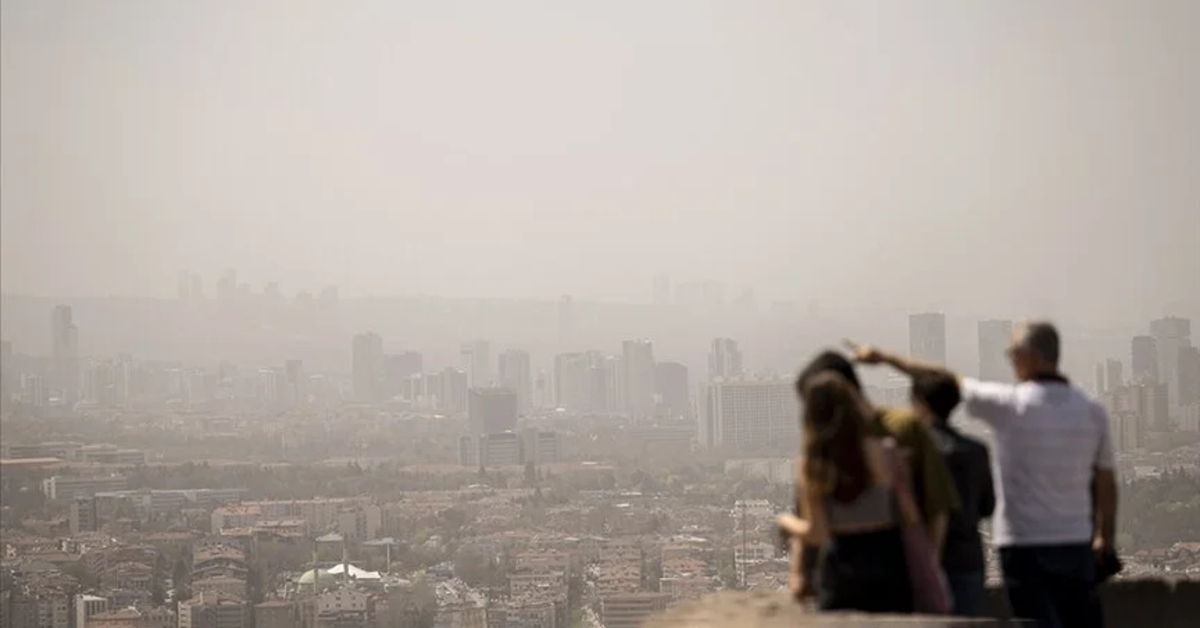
[1054,585]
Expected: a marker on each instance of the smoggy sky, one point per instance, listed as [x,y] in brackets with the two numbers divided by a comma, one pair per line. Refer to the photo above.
[949,154]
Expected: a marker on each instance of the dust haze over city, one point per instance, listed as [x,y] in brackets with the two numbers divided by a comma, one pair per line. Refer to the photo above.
[452,292]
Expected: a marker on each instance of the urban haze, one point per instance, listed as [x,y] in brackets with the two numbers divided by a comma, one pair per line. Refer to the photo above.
[489,313]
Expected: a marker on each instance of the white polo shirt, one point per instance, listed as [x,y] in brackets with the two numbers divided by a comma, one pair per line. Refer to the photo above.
[1049,437]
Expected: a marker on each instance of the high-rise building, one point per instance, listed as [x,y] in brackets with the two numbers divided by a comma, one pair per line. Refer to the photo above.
[607,391]
[1098,384]
[1189,376]
[724,359]
[571,389]
[1145,403]
[477,362]
[453,397]
[492,410]
[1114,373]
[662,290]
[994,338]
[515,375]
[588,382]
[1172,335]
[748,415]
[671,382]
[367,367]
[927,337]
[65,347]
[398,369]
[1144,360]
[637,376]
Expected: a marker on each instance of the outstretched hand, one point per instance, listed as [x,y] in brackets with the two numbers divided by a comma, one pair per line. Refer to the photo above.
[864,354]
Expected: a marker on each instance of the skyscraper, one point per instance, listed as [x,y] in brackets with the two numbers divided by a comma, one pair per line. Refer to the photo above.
[994,338]
[671,382]
[477,362]
[398,368]
[367,367]
[1172,335]
[1144,360]
[515,375]
[1189,376]
[927,337]
[65,353]
[588,382]
[724,359]
[1114,374]
[454,391]
[637,376]
[491,410]
[571,388]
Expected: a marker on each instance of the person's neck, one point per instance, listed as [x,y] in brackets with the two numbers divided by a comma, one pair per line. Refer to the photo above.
[1050,375]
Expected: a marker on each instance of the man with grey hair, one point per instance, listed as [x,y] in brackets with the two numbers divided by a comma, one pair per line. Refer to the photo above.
[1056,489]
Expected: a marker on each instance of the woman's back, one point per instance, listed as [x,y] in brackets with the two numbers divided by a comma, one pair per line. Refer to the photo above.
[874,508]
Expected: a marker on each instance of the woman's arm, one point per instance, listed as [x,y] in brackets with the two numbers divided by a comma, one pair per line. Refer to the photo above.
[806,534]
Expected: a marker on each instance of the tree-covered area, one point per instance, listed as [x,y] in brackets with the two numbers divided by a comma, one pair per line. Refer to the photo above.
[1159,512]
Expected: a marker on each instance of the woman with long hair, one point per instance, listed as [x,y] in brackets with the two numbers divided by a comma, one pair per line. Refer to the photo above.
[850,511]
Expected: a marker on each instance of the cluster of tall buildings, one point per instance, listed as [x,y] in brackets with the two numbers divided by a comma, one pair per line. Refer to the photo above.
[632,383]
[707,294]
[191,289]
[1161,393]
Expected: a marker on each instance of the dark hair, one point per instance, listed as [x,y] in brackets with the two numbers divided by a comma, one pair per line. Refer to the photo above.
[834,427]
[1041,339]
[938,391]
[827,361]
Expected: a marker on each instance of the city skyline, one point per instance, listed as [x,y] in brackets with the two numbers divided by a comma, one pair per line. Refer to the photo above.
[420,314]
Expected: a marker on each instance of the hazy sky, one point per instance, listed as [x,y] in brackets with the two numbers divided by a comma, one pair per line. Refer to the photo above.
[966,155]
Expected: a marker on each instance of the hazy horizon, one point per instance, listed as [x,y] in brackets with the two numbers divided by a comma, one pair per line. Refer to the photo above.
[968,157]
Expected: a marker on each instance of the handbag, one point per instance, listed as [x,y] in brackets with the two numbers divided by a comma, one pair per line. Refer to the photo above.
[931,590]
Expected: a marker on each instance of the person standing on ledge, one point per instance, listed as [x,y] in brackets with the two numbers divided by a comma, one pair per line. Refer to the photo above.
[935,396]
[1055,518]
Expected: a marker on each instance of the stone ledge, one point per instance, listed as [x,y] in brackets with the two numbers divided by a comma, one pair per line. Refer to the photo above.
[777,610]
[1127,604]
